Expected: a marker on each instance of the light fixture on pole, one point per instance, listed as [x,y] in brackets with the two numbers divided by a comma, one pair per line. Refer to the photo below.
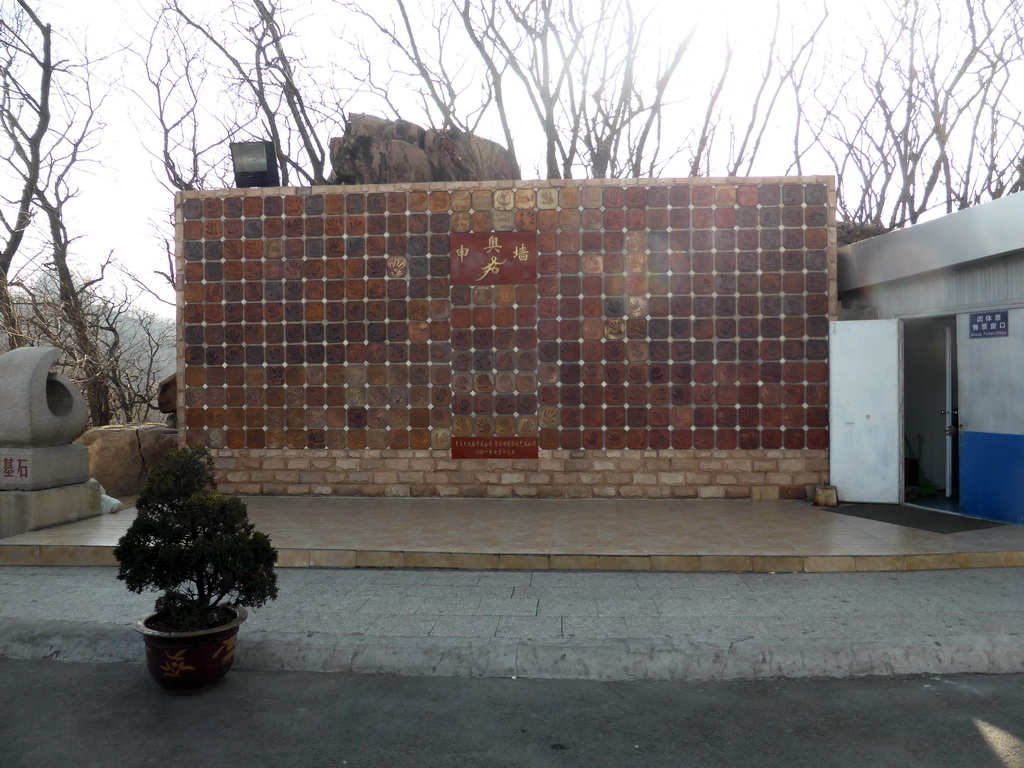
[255,164]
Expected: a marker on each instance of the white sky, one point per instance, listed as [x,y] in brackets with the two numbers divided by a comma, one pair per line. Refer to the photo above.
[123,204]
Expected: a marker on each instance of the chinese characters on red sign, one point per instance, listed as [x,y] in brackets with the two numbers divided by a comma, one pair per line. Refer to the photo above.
[494,447]
[15,468]
[494,258]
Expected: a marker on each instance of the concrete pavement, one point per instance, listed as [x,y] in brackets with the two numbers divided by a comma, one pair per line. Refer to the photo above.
[113,716]
[569,625]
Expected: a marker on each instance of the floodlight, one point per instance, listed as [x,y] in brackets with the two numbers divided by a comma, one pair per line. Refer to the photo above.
[255,164]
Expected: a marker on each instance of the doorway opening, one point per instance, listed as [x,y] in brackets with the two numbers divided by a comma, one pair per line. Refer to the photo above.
[930,471]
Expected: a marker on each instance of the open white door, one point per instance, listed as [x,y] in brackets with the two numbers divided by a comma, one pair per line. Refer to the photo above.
[950,413]
[866,411]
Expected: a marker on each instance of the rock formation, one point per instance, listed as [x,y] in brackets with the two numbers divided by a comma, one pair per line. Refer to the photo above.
[167,399]
[378,151]
[120,455]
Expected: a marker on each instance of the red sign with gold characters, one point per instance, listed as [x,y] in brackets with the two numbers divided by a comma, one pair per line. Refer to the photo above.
[494,447]
[493,258]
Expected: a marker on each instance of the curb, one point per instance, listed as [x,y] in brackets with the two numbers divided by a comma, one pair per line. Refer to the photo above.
[611,659]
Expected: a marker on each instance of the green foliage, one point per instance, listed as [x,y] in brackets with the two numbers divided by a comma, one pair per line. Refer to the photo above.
[194,544]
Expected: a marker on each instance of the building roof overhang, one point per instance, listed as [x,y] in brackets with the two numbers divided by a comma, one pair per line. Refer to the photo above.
[992,229]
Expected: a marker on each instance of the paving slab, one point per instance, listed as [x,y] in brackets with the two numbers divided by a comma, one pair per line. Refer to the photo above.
[609,626]
[564,535]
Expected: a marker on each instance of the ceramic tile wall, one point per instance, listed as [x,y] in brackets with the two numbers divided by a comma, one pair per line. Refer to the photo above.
[666,315]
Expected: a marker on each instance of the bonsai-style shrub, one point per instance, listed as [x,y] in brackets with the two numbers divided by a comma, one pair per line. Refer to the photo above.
[195,545]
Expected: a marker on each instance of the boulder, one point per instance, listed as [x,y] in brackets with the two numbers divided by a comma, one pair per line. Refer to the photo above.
[457,156]
[850,232]
[369,160]
[120,455]
[378,151]
[167,399]
[365,125]
[167,394]
[401,162]
[403,130]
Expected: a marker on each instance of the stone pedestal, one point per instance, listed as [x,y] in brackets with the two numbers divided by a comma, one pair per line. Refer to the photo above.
[43,480]
[23,511]
[33,469]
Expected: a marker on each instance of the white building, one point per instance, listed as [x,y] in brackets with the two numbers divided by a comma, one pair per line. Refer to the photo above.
[938,341]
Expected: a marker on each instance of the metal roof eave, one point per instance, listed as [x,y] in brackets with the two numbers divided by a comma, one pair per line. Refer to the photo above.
[983,231]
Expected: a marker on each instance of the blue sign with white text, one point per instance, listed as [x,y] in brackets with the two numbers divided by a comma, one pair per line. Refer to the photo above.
[986,325]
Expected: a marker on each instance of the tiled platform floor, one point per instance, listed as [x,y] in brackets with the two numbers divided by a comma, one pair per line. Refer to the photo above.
[563,535]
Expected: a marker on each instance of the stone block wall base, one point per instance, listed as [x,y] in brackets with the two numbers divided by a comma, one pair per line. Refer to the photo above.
[39,468]
[762,475]
[23,511]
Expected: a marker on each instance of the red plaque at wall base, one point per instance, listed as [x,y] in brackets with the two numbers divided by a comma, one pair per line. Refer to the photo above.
[494,447]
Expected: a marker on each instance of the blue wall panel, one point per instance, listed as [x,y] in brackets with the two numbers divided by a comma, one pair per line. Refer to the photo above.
[992,476]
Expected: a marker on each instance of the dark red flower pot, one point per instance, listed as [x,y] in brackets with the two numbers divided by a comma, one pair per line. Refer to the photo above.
[188,662]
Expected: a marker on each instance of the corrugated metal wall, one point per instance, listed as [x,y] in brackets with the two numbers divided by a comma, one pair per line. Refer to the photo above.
[995,283]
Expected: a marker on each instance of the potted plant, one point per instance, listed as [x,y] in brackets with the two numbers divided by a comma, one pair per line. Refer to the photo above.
[198,547]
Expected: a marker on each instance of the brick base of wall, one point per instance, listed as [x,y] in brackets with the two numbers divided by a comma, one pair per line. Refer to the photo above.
[764,475]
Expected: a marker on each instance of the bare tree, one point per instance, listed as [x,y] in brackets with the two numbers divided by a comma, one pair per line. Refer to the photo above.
[129,350]
[165,277]
[596,86]
[26,83]
[605,91]
[49,123]
[236,73]
[574,67]
[923,118]
[927,118]
[785,70]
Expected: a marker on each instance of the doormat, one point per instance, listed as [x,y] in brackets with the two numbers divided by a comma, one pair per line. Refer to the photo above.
[919,519]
